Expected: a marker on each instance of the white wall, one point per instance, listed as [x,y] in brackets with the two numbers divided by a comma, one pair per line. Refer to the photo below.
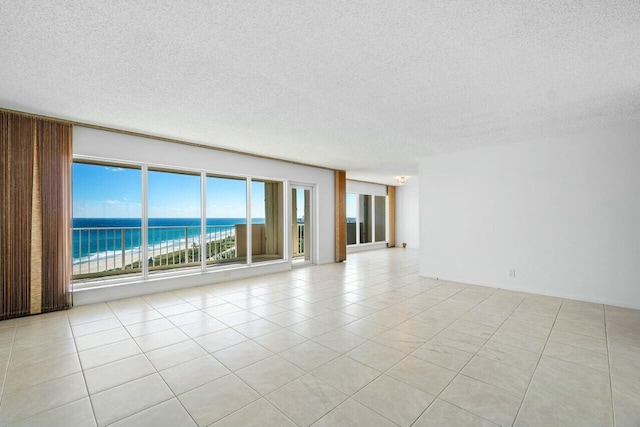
[564,213]
[408,214]
[109,145]
[366,188]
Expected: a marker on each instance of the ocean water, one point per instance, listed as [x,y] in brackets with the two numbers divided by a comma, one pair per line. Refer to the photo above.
[95,237]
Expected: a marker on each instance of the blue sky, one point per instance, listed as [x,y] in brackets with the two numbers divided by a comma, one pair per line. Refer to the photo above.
[115,192]
[106,192]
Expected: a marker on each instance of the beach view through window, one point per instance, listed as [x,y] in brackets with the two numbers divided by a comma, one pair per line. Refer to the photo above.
[108,230]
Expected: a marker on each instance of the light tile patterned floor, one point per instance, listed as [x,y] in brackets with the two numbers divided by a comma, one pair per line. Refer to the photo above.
[363,343]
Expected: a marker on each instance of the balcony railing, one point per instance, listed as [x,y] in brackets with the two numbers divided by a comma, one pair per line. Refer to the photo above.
[298,241]
[109,251]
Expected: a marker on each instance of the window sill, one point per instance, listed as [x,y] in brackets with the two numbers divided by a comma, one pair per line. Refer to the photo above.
[116,288]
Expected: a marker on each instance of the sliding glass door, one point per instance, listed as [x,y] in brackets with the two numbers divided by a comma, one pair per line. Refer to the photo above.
[366,219]
[301,224]
[267,220]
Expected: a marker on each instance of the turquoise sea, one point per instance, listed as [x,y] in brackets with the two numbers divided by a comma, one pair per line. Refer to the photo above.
[94,236]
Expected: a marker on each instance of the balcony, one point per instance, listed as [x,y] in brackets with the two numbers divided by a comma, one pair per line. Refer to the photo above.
[111,251]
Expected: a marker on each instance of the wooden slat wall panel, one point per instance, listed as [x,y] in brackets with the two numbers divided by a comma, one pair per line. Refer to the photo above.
[341,215]
[35,172]
[16,146]
[35,287]
[55,157]
[391,196]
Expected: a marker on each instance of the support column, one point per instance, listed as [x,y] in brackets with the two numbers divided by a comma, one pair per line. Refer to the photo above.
[391,231]
[341,215]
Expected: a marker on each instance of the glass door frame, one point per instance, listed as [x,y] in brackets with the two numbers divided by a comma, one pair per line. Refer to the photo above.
[310,223]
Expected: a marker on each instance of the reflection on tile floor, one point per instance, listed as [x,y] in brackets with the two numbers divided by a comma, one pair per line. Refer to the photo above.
[363,343]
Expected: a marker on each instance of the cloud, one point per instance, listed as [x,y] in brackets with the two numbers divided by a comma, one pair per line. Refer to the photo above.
[113,169]
[111,202]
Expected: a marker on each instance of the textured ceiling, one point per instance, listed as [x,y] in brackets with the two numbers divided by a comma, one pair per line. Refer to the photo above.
[365,86]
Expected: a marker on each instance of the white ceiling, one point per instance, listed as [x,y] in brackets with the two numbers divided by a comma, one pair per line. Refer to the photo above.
[366,86]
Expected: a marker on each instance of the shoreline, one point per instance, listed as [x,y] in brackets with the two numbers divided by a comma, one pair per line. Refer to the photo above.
[110,260]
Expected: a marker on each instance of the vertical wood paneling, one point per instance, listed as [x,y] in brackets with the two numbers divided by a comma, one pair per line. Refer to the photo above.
[391,233]
[17,135]
[341,215]
[55,156]
[35,290]
[35,168]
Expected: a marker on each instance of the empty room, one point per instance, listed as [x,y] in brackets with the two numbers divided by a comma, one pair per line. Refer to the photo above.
[334,213]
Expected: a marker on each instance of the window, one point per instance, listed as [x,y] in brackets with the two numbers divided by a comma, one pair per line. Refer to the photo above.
[352,218]
[365,219]
[109,203]
[173,226]
[107,212]
[226,221]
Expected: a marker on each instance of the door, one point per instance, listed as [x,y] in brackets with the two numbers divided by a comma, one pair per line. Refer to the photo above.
[301,224]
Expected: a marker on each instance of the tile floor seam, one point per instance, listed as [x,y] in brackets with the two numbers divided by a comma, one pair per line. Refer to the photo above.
[289,383]
[453,404]
[156,371]
[93,348]
[355,392]
[128,416]
[96,332]
[261,397]
[576,346]
[328,361]
[606,337]
[250,364]
[425,310]
[238,376]
[373,409]
[344,354]
[175,396]
[22,420]
[536,368]
[351,398]
[127,382]
[56,379]
[580,333]
[573,363]
[136,413]
[502,363]
[45,382]
[459,372]
[203,384]
[6,369]
[84,378]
